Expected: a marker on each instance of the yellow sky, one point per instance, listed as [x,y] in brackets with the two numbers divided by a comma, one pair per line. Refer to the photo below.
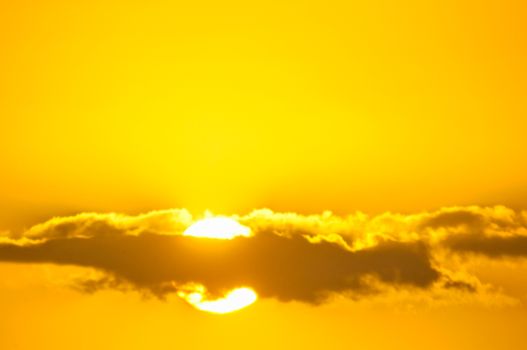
[57,318]
[302,106]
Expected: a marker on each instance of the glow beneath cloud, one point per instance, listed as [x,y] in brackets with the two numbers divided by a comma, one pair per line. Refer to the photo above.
[234,300]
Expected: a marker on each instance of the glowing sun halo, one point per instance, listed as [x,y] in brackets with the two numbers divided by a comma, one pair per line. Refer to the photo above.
[217,227]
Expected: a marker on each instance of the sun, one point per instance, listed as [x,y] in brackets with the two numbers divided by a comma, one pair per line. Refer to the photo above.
[196,294]
[217,227]
[234,300]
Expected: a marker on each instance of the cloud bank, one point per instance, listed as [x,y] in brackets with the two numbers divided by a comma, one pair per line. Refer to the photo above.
[289,257]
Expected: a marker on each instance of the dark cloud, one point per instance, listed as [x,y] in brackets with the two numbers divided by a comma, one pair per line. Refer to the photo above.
[289,257]
[453,219]
[460,285]
[475,220]
[498,233]
[491,246]
[285,268]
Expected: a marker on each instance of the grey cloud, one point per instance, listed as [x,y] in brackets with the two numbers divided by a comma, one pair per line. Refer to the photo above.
[276,267]
[290,257]
[494,247]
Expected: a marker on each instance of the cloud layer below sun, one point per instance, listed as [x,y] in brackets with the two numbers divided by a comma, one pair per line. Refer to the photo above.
[289,257]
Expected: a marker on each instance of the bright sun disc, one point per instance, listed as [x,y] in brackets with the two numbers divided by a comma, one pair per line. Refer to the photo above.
[217,227]
[235,300]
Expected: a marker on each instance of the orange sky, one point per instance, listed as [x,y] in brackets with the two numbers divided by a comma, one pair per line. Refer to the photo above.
[298,106]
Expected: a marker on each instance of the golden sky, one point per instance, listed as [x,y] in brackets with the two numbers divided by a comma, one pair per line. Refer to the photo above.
[374,150]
